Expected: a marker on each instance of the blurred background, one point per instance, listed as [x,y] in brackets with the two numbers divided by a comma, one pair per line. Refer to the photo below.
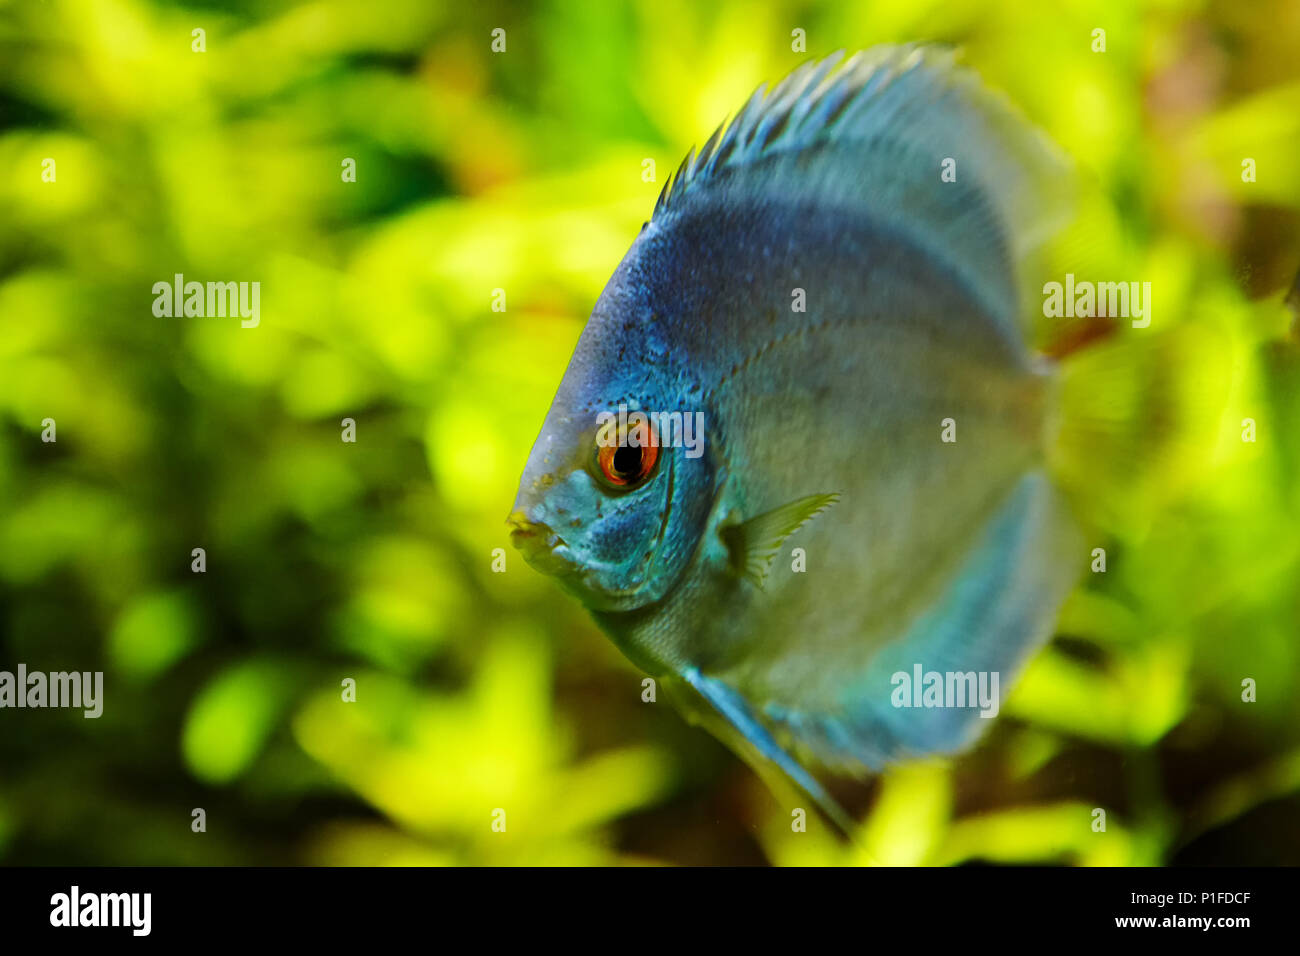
[522,171]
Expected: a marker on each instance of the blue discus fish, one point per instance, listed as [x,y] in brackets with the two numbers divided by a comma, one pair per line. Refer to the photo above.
[871,495]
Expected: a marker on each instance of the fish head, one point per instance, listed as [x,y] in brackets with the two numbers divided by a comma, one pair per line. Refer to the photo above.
[609,504]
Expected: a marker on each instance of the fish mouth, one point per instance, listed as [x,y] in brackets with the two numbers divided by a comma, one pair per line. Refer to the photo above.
[540,545]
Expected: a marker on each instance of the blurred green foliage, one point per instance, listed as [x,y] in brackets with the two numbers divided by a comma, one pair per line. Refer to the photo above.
[522,171]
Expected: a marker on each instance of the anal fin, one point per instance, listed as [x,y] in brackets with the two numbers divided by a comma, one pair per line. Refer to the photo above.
[999,607]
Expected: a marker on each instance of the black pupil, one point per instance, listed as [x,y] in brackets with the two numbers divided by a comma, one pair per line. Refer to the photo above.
[627,461]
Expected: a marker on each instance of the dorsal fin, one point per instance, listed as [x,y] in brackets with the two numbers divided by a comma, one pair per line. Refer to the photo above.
[876,130]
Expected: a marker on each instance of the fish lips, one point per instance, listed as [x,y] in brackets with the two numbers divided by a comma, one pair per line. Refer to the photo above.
[541,547]
[549,553]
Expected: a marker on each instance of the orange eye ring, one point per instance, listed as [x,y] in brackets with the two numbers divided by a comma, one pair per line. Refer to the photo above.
[622,464]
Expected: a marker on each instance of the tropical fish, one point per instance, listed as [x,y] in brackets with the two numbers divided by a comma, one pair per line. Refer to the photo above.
[833,283]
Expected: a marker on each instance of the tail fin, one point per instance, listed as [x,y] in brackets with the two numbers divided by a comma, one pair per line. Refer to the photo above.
[1137,419]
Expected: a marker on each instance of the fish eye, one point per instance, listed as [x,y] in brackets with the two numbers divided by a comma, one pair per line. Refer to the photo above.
[626,456]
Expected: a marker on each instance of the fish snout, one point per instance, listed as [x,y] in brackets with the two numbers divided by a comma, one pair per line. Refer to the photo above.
[539,544]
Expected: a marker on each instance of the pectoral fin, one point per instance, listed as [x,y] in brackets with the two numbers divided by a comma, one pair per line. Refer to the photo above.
[755,543]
